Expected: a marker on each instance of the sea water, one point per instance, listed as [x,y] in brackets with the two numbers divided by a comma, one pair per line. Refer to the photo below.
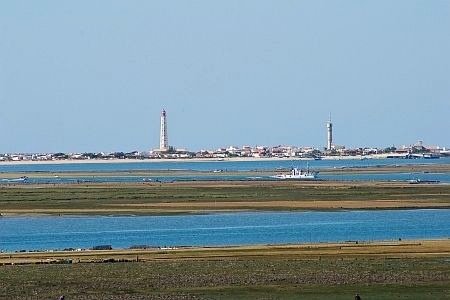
[221,229]
[231,166]
[207,165]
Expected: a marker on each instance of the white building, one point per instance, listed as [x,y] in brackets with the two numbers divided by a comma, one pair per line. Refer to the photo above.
[163,137]
[329,134]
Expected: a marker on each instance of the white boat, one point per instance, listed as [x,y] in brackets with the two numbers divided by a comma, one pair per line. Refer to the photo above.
[21,179]
[297,174]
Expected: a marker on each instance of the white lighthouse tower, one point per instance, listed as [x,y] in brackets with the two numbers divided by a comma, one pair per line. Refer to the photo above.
[163,137]
[329,134]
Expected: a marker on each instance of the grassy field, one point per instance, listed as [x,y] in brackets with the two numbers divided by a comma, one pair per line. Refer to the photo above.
[407,270]
[194,197]
[404,270]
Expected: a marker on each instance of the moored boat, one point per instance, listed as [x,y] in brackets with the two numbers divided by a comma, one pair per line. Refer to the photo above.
[297,174]
[20,179]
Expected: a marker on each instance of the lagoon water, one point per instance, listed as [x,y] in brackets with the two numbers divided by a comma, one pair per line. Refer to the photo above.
[207,165]
[59,232]
[233,166]
[400,176]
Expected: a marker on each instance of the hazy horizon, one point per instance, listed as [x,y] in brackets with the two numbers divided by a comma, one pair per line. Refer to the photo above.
[91,76]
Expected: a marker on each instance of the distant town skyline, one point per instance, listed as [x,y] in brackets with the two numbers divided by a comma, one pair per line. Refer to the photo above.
[94,76]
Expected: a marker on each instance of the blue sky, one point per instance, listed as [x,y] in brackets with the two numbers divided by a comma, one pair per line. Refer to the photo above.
[94,75]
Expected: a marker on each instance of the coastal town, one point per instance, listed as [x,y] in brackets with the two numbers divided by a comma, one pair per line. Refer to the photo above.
[244,152]
[165,151]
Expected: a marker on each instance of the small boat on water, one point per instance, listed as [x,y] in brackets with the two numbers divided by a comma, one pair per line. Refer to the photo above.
[420,181]
[297,174]
[20,179]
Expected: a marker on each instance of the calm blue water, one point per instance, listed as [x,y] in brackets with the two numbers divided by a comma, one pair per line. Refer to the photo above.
[215,165]
[229,166]
[53,232]
[442,177]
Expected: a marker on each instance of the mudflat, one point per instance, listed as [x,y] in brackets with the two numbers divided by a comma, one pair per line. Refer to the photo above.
[213,196]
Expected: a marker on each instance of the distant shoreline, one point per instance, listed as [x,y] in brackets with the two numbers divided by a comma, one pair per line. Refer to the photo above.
[175,160]
[150,160]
